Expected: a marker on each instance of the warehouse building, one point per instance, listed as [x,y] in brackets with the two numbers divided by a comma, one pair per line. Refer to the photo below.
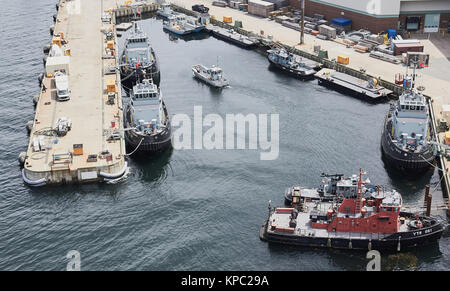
[379,15]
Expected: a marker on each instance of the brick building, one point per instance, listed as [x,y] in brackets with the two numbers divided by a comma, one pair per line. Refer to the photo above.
[379,15]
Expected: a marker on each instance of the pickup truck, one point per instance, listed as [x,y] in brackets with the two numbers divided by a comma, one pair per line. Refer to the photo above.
[200,8]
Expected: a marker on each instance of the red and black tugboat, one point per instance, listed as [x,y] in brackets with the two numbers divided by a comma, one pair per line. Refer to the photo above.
[376,222]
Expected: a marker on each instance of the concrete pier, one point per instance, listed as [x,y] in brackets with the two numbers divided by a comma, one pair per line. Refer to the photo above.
[86,153]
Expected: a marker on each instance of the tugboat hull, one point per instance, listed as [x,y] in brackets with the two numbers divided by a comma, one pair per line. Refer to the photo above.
[396,242]
[147,144]
[402,160]
[295,73]
[150,144]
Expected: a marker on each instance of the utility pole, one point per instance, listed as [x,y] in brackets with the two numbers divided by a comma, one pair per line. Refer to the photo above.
[302,35]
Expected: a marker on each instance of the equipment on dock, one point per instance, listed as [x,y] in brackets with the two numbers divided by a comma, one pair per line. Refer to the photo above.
[375,221]
[78,149]
[111,98]
[57,63]
[227,19]
[443,125]
[446,113]
[63,125]
[138,60]
[345,60]
[147,120]
[407,131]
[212,76]
[327,31]
[111,86]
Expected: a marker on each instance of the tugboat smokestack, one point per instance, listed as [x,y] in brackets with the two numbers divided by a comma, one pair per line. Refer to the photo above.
[428,199]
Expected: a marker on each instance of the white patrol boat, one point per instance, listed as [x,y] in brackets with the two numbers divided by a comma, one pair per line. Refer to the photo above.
[212,76]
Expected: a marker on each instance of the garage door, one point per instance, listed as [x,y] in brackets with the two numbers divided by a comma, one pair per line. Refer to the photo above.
[432,22]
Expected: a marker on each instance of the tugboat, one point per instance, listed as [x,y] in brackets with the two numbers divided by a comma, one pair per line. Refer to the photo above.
[138,60]
[147,123]
[212,76]
[292,64]
[355,223]
[334,186]
[407,136]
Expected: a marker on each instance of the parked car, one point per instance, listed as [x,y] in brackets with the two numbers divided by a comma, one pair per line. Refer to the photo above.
[200,8]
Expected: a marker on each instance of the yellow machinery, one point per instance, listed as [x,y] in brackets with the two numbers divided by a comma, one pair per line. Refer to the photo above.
[227,19]
[343,60]
[111,86]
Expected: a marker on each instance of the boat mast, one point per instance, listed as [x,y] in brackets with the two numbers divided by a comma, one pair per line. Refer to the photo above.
[415,62]
[359,193]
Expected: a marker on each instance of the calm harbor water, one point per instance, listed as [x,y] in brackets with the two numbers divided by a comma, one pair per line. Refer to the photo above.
[191,209]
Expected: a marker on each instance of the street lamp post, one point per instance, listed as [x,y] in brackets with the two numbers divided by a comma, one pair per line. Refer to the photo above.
[302,33]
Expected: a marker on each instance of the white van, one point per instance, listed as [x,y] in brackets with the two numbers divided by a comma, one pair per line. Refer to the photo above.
[62,86]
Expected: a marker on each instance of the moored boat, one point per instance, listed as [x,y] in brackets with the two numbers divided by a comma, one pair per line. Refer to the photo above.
[335,186]
[376,222]
[138,60]
[177,24]
[233,37]
[407,138]
[367,90]
[146,120]
[292,64]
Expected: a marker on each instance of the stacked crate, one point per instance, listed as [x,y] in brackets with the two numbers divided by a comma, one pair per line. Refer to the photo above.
[327,31]
[260,8]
